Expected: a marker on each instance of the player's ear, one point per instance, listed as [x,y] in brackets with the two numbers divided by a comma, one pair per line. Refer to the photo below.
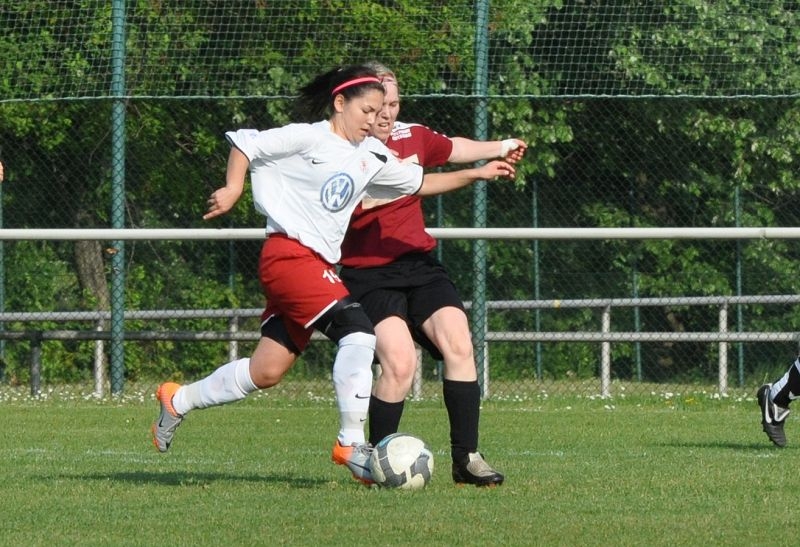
[338,103]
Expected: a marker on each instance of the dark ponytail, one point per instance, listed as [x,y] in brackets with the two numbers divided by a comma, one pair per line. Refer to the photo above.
[316,98]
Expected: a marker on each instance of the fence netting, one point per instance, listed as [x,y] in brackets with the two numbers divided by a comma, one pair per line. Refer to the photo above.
[638,114]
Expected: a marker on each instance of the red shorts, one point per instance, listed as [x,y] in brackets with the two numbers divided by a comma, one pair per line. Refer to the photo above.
[299,285]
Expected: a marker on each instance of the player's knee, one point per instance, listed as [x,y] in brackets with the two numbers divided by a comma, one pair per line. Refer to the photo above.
[399,379]
[347,319]
[270,362]
[267,376]
[399,365]
[265,381]
[456,348]
[462,350]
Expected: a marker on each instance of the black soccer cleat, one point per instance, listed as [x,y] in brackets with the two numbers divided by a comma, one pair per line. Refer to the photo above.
[772,416]
[475,470]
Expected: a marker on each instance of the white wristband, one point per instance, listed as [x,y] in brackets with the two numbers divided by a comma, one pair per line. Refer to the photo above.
[507,146]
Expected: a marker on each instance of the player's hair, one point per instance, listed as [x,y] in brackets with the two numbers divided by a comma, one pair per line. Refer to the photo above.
[383,71]
[316,97]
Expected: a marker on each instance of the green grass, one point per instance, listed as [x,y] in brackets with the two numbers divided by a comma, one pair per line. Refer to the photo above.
[657,470]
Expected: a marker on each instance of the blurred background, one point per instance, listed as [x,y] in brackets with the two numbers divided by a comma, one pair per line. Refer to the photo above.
[638,114]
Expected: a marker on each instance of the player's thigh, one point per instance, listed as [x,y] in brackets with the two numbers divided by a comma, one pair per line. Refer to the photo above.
[448,329]
[429,308]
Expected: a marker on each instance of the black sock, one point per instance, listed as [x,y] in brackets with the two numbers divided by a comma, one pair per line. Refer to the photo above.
[463,403]
[792,386]
[384,418]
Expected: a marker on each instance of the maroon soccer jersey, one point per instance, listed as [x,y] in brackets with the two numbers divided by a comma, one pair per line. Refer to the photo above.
[381,233]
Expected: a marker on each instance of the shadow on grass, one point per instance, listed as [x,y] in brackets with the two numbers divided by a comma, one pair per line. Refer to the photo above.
[182,478]
[727,445]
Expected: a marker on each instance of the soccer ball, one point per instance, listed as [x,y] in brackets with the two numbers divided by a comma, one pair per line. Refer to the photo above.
[402,461]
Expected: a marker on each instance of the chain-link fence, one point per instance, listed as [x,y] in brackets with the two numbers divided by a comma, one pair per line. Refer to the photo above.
[675,114]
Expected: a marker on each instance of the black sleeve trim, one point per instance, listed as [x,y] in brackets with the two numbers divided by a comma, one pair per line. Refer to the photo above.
[381,157]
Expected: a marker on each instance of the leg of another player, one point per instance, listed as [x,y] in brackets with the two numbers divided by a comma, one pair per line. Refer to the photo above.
[448,329]
[397,356]
[787,388]
[774,400]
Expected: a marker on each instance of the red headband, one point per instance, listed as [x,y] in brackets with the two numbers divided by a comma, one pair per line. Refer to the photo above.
[355,81]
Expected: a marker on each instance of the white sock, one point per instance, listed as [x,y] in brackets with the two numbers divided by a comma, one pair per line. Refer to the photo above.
[230,382]
[352,381]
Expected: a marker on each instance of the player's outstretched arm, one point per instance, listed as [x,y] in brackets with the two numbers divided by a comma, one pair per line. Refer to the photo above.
[468,151]
[223,199]
[439,183]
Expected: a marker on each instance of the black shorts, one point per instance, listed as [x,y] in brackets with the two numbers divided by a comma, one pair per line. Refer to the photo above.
[412,287]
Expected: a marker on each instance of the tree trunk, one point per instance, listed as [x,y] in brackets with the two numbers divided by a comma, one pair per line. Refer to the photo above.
[92,272]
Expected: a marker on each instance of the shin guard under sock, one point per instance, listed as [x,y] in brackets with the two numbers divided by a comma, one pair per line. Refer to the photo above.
[384,418]
[463,402]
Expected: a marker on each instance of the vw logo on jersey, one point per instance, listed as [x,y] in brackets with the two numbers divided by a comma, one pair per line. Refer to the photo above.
[336,192]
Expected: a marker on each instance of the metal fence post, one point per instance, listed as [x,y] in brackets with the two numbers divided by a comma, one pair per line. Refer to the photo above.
[416,386]
[99,362]
[479,188]
[605,354]
[723,350]
[233,345]
[36,363]
[118,196]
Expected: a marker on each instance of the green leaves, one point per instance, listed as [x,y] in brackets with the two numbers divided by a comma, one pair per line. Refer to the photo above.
[679,113]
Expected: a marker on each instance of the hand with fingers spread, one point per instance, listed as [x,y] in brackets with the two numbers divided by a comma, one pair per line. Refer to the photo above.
[497,168]
[221,201]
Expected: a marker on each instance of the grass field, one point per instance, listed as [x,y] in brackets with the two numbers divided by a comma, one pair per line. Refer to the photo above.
[669,469]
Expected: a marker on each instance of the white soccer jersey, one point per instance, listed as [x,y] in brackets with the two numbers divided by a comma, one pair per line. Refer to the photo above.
[307,180]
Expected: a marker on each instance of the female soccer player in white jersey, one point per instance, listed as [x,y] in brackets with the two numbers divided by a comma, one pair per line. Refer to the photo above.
[307,179]
[408,294]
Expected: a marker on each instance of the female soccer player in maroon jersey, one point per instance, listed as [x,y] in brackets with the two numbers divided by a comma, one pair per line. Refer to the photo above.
[407,293]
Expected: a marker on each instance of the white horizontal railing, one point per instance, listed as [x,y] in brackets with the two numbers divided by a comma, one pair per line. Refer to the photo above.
[133,234]
[604,335]
[723,336]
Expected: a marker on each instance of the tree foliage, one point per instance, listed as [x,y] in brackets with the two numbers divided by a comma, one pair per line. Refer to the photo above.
[683,113]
